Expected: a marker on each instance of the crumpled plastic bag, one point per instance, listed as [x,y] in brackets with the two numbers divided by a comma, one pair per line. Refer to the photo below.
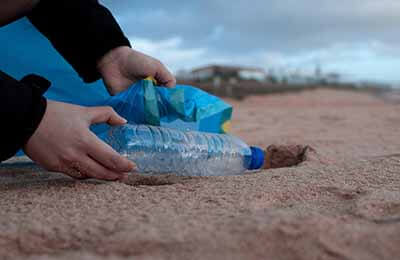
[182,107]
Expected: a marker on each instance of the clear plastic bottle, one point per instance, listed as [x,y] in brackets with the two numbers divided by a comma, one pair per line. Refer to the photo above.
[158,150]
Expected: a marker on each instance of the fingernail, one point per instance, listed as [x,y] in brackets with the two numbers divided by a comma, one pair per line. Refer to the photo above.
[132,166]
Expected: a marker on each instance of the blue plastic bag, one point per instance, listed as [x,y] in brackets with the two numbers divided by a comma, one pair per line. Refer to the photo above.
[182,107]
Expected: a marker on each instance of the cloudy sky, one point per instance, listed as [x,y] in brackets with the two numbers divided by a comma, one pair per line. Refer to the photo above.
[358,38]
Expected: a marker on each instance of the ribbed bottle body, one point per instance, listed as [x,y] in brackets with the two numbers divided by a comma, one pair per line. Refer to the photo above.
[185,153]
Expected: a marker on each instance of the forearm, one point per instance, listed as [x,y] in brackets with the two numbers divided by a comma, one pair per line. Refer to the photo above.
[83,31]
[11,10]
[22,107]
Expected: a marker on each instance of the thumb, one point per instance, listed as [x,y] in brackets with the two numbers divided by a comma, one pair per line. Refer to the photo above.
[164,76]
[105,115]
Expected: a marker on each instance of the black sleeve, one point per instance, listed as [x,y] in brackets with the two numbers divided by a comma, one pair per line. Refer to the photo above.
[22,107]
[83,31]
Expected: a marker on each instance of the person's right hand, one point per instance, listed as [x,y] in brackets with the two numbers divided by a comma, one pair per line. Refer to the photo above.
[64,143]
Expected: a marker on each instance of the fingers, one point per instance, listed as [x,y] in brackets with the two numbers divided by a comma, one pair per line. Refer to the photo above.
[164,77]
[89,168]
[102,158]
[106,156]
[105,115]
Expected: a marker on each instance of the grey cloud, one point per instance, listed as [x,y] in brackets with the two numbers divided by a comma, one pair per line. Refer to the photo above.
[286,26]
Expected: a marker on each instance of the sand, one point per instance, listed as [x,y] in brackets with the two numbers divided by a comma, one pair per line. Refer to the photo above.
[343,202]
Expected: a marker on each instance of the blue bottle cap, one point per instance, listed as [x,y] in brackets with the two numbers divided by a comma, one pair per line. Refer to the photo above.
[257,158]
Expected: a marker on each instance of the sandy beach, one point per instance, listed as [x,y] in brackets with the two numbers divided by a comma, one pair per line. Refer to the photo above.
[343,202]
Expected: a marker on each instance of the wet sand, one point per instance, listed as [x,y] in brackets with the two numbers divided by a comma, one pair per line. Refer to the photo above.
[343,202]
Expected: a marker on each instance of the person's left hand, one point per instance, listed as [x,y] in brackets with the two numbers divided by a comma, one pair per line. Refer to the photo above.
[123,66]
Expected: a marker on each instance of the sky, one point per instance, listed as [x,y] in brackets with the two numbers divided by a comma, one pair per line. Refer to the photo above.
[360,39]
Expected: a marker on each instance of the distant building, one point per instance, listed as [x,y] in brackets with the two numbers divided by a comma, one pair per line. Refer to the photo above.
[252,74]
[230,73]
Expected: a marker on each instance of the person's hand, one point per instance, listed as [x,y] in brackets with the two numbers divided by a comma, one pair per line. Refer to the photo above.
[123,66]
[64,143]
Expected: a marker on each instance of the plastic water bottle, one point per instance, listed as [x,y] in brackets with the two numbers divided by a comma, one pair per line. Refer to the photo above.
[157,150]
